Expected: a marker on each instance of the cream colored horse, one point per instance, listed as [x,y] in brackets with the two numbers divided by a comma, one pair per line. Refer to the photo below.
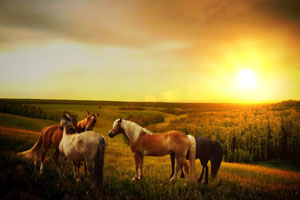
[88,146]
[144,143]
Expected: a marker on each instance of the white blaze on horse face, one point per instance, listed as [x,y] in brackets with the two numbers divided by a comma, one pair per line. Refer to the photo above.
[115,123]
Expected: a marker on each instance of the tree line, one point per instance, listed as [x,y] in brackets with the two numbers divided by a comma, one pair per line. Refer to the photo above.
[28,110]
[254,133]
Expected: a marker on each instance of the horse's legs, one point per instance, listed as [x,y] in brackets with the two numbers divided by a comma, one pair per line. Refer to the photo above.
[200,178]
[63,164]
[141,166]
[172,156]
[74,170]
[182,173]
[206,175]
[185,166]
[85,170]
[55,157]
[90,169]
[43,155]
[177,168]
[76,165]
[78,171]
[137,166]
[35,159]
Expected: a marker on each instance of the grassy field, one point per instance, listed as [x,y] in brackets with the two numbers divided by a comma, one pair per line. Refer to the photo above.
[15,121]
[20,181]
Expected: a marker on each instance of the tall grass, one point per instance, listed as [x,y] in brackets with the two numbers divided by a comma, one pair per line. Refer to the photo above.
[234,181]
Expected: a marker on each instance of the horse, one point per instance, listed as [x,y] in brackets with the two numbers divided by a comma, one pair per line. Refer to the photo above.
[206,149]
[145,143]
[88,146]
[88,123]
[52,135]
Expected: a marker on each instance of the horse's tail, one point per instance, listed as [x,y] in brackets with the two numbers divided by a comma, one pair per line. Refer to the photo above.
[99,162]
[32,152]
[192,157]
[216,158]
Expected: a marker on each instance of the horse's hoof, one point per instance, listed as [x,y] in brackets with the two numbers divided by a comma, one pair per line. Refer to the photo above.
[188,182]
[172,180]
[193,180]
[133,179]
[77,180]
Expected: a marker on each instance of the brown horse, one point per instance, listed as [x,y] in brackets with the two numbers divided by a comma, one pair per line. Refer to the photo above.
[88,123]
[144,143]
[206,149]
[53,135]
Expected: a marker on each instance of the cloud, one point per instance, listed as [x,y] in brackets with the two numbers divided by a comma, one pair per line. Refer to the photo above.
[72,20]
[147,47]
[139,23]
[281,8]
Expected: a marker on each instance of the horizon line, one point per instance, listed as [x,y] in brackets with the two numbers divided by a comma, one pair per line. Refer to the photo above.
[127,101]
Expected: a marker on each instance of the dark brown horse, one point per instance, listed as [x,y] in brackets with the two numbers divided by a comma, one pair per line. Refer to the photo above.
[53,135]
[206,149]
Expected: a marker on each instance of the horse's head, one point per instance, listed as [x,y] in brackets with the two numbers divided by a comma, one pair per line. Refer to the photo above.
[116,129]
[90,121]
[68,121]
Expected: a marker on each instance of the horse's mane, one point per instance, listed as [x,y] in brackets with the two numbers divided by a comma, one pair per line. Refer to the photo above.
[70,130]
[133,130]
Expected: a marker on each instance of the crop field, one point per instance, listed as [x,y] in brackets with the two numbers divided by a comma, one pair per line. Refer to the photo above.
[19,180]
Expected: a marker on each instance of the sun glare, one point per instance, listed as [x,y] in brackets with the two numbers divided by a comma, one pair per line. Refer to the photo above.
[246,79]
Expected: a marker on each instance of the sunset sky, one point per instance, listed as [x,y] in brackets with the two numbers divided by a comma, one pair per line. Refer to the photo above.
[144,50]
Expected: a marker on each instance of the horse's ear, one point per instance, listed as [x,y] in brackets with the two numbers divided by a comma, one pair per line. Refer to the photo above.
[120,120]
[88,112]
[63,116]
[74,120]
[97,114]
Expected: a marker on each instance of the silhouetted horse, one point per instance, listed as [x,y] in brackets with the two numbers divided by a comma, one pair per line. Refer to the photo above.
[206,149]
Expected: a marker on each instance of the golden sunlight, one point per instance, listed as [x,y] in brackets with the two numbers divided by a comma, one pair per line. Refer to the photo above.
[246,79]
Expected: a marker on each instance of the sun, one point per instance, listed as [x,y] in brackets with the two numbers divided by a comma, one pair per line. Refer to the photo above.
[246,79]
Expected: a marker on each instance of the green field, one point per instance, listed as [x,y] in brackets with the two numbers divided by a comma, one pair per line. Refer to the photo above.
[27,123]
[234,181]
